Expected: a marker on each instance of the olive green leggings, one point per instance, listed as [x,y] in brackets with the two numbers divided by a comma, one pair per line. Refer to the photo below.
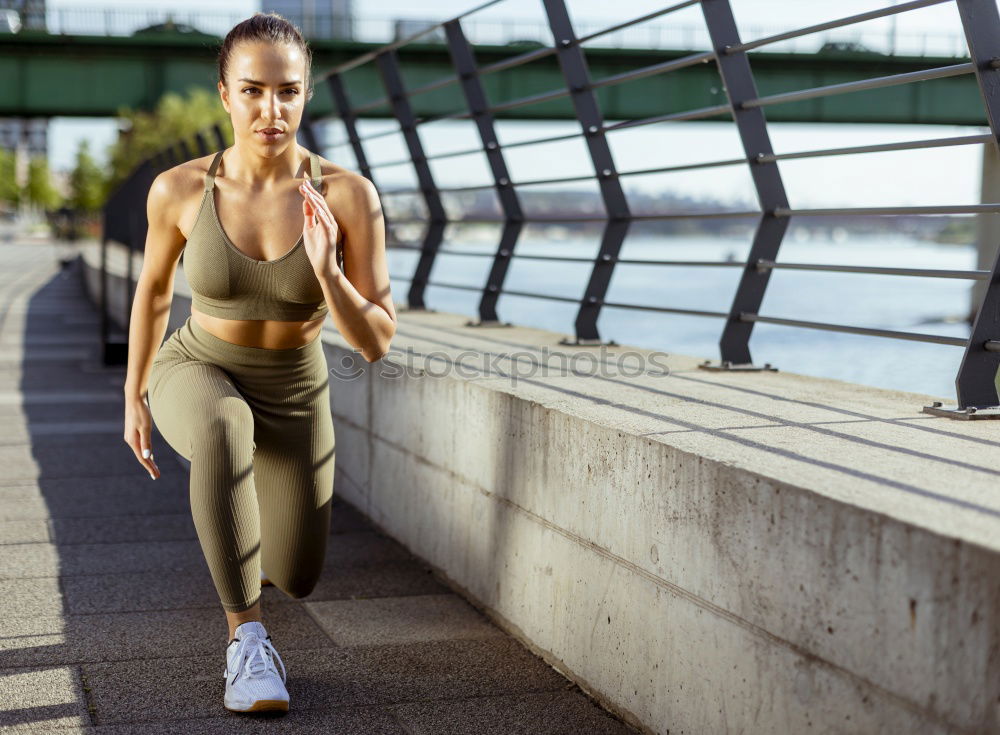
[256,425]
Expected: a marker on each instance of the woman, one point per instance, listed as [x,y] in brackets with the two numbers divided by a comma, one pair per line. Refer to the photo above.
[242,388]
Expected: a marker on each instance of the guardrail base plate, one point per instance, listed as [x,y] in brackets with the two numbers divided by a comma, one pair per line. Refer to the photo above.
[587,342]
[966,414]
[488,323]
[747,367]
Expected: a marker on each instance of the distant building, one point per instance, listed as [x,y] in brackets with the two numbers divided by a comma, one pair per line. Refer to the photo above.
[316,18]
[32,12]
[31,134]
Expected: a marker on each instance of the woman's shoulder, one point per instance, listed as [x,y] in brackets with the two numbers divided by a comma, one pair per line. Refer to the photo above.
[340,182]
[175,191]
[186,178]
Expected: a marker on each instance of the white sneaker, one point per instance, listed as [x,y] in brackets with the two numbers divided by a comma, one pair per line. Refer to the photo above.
[253,683]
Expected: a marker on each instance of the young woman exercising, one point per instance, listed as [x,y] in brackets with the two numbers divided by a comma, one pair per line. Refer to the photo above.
[242,388]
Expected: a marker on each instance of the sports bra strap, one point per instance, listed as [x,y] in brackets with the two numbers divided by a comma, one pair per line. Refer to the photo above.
[210,176]
[315,171]
[314,168]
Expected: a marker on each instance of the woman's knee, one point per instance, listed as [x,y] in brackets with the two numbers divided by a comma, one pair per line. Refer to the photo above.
[298,586]
[228,421]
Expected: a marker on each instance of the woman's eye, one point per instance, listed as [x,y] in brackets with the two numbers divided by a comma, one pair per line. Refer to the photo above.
[292,90]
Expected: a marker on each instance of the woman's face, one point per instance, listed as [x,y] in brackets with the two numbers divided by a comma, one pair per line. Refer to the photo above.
[265,91]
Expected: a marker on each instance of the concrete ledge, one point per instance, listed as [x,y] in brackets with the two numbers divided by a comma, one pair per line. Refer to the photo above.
[704,552]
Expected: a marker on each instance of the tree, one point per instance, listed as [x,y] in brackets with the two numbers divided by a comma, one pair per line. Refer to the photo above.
[86,181]
[176,117]
[39,189]
[9,190]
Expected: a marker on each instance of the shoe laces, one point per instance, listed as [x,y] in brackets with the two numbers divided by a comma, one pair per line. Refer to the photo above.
[258,657]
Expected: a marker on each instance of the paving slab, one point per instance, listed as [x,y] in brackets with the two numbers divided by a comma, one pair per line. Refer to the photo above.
[111,622]
[552,712]
[30,697]
[72,639]
[323,678]
[416,618]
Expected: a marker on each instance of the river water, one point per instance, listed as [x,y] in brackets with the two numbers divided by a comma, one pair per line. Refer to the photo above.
[906,303]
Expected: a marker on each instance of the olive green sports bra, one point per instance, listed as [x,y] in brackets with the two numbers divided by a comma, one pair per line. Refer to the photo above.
[227,283]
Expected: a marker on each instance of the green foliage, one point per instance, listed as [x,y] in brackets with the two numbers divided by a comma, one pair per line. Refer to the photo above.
[175,118]
[39,189]
[86,181]
[9,191]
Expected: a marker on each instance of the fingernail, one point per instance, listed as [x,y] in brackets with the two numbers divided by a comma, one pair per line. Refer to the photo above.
[145,454]
[152,476]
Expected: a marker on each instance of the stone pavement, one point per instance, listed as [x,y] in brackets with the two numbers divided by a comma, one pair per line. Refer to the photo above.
[109,622]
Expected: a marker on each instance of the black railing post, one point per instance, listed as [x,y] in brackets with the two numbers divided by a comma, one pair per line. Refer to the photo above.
[308,133]
[574,68]
[737,78]
[976,381]
[201,144]
[220,139]
[350,120]
[388,64]
[464,59]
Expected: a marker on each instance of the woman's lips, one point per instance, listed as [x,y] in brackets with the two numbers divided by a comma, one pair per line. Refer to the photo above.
[270,133]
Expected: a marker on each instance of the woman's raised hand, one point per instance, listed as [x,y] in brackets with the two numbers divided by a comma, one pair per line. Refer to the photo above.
[320,231]
[138,425]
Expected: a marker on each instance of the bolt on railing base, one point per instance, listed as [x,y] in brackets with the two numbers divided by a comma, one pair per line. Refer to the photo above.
[965,414]
[587,342]
[488,323]
[736,367]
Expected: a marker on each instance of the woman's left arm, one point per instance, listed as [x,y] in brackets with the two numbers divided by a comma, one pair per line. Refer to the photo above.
[358,296]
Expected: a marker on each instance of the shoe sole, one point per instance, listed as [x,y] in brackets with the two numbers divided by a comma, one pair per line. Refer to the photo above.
[264,705]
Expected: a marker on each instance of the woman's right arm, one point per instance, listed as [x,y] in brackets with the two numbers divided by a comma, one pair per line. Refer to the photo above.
[151,307]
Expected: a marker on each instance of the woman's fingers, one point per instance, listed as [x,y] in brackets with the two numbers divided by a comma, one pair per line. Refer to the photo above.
[143,453]
[147,453]
[309,214]
[318,202]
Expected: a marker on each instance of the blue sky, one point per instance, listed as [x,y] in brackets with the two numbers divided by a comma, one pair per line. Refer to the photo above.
[935,175]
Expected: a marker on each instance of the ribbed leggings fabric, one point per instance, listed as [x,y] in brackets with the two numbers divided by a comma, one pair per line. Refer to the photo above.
[256,425]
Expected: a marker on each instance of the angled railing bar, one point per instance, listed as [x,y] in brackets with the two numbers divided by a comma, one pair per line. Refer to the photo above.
[699,114]
[840,22]
[737,78]
[573,64]
[891,80]
[350,121]
[870,331]
[398,43]
[595,218]
[636,21]
[392,79]
[883,270]
[918,209]
[878,147]
[702,57]
[463,58]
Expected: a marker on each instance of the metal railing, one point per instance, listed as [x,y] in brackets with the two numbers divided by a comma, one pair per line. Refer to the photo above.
[124,221]
[977,395]
[976,392]
[371,27]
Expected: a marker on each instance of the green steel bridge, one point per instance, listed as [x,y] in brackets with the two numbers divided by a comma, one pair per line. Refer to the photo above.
[48,75]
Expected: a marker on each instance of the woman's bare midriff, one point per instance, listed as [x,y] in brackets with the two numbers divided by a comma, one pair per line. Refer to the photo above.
[267,333]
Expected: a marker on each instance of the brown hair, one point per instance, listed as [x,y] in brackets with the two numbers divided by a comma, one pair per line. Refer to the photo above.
[268,28]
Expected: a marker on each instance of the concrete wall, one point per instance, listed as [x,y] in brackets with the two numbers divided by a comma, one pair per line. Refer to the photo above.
[705,555]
